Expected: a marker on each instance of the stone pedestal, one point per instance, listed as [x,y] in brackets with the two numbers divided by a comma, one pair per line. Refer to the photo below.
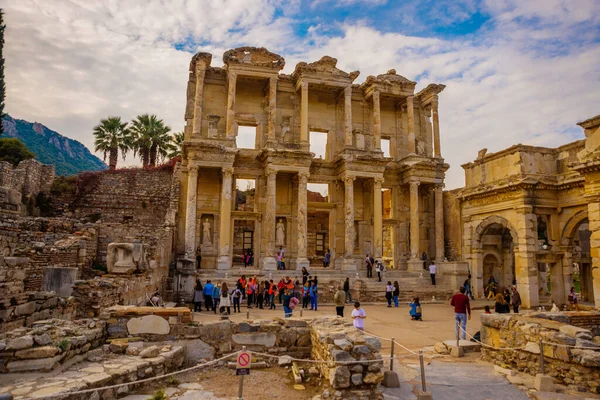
[424,396]
[223,262]
[416,265]
[302,263]
[456,272]
[269,264]
[349,264]
[390,379]
[543,383]
[186,265]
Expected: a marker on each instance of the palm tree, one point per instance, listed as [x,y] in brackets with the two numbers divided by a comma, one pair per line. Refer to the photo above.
[110,136]
[150,138]
[177,142]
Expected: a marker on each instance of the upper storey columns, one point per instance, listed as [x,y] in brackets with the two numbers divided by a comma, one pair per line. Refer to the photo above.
[224,260]
[231,89]
[410,110]
[190,212]
[348,116]
[376,120]
[272,109]
[304,113]
[437,152]
[200,63]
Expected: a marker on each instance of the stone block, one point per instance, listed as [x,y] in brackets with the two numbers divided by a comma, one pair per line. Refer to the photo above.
[253,339]
[373,378]
[341,355]
[576,332]
[284,360]
[532,347]
[150,352]
[391,379]
[37,352]
[374,344]
[39,364]
[498,321]
[356,379]
[543,383]
[19,343]
[245,327]
[343,344]
[152,324]
[339,377]
[441,348]
[424,396]
[505,371]
[42,340]
[197,350]
[25,309]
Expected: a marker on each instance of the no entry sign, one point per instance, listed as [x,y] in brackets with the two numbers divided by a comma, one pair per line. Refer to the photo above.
[243,363]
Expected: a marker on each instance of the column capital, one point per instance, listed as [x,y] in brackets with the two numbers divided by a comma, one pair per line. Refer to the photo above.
[304,175]
[304,85]
[440,186]
[270,172]
[414,183]
[435,102]
[379,180]
[227,171]
[349,179]
[348,90]
[192,169]
[231,75]
[375,94]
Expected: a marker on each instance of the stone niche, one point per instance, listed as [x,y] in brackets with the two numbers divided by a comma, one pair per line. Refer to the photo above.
[126,258]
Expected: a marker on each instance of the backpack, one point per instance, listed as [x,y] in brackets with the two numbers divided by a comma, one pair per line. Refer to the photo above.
[293,302]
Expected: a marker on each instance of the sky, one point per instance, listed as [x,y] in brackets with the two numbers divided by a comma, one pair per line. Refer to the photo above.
[515,71]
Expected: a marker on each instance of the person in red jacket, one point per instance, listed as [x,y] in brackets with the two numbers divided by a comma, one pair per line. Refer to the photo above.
[462,306]
[271,293]
[280,289]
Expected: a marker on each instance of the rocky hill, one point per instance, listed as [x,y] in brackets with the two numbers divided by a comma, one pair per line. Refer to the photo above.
[68,156]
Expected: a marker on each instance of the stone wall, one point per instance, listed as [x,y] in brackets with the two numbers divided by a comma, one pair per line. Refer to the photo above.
[25,309]
[452,225]
[578,368]
[29,177]
[47,344]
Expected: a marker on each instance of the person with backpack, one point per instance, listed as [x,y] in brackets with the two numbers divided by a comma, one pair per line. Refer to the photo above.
[236,296]
[198,296]
[339,299]
[287,298]
[306,294]
[208,292]
[415,310]
[468,287]
[369,261]
[216,297]
[225,301]
[379,268]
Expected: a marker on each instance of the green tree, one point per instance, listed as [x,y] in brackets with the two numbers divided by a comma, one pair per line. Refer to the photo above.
[14,151]
[112,135]
[2,83]
[177,142]
[150,139]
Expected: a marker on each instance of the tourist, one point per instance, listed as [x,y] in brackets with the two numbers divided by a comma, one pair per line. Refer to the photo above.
[250,256]
[287,297]
[225,302]
[236,296]
[347,290]
[501,306]
[271,292]
[198,296]
[462,307]
[280,288]
[358,317]
[242,282]
[208,292]
[281,252]
[396,293]
[267,298]
[306,294]
[468,287]
[339,299]
[491,290]
[198,257]
[424,259]
[379,269]
[486,310]
[293,303]
[250,289]
[572,299]
[506,295]
[432,271]
[416,312]
[327,259]
[304,275]
[315,281]
[515,300]
[312,290]
[297,291]
[260,294]
[389,289]
[369,261]
[278,259]
[216,297]
[156,300]
[289,285]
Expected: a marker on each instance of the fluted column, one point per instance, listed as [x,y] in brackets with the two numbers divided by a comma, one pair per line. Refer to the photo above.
[268,224]
[348,116]
[437,148]
[230,122]
[198,97]
[349,262]
[410,109]
[377,218]
[272,109]
[302,261]
[224,261]
[414,220]
[376,121]
[304,114]
[439,223]
[190,212]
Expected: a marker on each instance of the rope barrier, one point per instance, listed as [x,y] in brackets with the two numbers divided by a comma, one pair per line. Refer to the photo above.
[572,346]
[390,340]
[306,360]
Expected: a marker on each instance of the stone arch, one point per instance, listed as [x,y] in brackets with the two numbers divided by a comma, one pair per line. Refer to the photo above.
[493,219]
[572,226]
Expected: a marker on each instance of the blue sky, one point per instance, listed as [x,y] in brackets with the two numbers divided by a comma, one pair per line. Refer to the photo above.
[516,71]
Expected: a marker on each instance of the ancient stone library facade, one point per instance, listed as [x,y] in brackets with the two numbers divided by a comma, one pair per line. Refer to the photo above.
[307,162]
[388,205]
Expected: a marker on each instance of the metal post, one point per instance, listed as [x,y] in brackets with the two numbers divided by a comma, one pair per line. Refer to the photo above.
[241,386]
[301,313]
[392,356]
[247,314]
[542,356]
[423,385]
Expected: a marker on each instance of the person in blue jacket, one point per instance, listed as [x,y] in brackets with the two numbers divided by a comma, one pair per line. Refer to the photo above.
[209,288]
[415,309]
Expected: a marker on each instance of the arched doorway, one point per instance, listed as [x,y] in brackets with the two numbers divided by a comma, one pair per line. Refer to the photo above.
[491,267]
[582,261]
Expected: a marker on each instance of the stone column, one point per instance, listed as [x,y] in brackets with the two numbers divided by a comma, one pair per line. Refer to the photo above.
[198,97]
[349,263]
[437,148]
[411,124]
[272,109]
[302,261]
[304,114]
[594,223]
[224,260]
[439,223]
[190,213]
[377,218]
[230,122]
[376,121]
[526,267]
[348,116]
[268,225]
[415,263]
[477,274]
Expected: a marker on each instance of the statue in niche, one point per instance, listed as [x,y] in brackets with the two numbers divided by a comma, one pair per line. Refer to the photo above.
[280,234]
[542,229]
[213,125]
[206,241]
[285,127]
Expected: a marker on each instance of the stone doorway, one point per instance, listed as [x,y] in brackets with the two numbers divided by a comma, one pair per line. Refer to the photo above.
[582,262]
[243,239]
[318,238]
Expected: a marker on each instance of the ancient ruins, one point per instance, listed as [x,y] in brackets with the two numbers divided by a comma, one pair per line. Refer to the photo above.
[306,164]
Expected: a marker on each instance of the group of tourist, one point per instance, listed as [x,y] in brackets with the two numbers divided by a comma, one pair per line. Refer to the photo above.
[371,264]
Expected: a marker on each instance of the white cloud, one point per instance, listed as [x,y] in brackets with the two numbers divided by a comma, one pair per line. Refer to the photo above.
[527,76]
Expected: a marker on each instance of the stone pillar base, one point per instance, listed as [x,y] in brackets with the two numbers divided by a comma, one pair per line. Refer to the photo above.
[424,396]
[349,264]
[223,262]
[302,263]
[415,265]
[269,264]
[544,383]
[186,265]
[390,379]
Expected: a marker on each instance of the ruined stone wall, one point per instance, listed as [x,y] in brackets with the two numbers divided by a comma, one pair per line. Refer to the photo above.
[29,177]
[578,368]
[452,225]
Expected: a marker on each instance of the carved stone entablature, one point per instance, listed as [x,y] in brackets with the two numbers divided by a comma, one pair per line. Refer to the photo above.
[389,83]
[287,159]
[254,56]
[322,70]
[426,169]
[430,92]
[206,153]
[204,58]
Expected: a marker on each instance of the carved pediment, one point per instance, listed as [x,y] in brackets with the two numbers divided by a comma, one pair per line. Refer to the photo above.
[389,78]
[325,67]
[255,56]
